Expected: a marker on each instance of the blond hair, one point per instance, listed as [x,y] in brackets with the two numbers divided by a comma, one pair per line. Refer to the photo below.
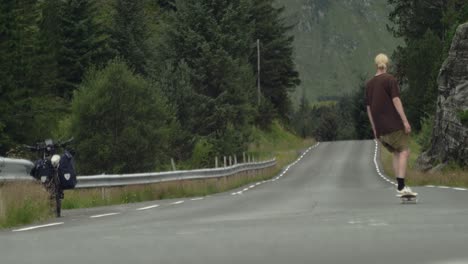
[381,61]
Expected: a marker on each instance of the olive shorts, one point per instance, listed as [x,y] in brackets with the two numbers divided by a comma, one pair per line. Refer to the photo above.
[397,141]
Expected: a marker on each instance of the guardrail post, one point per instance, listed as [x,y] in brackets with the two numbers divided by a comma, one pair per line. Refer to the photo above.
[225,162]
[243,157]
[230,161]
[235,160]
[216,162]
[173,164]
[103,193]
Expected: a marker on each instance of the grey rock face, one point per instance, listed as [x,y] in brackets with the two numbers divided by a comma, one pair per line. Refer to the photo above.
[449,136]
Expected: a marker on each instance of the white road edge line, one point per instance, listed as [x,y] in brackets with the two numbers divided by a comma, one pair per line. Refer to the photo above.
[36,227]
[148,207]
[103,215]
[427,186]
[282,173]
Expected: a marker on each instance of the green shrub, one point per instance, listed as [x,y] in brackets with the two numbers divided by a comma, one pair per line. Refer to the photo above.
[425,135]
[203,154]
[120,121]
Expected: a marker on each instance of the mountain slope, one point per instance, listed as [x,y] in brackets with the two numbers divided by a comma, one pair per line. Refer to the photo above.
[336,42]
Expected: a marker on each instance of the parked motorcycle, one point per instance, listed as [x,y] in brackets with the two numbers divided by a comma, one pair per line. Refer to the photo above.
[56,172]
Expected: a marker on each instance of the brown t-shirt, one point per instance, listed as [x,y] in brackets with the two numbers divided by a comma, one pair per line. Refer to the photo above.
[380,92]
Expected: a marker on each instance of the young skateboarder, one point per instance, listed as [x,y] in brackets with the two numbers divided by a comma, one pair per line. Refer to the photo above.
[388,119]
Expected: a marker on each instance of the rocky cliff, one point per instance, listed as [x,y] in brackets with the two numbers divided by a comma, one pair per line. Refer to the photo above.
[450,133]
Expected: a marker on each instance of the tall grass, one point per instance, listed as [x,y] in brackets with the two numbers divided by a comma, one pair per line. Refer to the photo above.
[452,175]
[166,190]
[22,203]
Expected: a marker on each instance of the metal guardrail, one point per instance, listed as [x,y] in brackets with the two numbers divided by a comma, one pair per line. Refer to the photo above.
[148,178]
[15,169]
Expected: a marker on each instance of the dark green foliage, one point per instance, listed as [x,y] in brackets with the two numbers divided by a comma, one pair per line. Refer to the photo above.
[168,5]
[463,116]
[423,59]
[412,18]
[346,107]
[82,44]
[427,28]
[302,119]
[327,124]
[203,154]
[198,54]
[344,119]
[278,75]
[121,122]
[27,111]
[266,113]
[424,137]
[130,34]
[359,112]
[213,40]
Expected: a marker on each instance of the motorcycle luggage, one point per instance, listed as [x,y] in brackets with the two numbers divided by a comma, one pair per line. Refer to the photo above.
[42,168]
[66,171]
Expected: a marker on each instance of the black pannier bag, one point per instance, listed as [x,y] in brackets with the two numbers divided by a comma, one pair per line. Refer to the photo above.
[66,171]
[41,169]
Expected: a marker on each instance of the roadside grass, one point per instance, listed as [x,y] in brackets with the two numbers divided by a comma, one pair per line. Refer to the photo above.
[452,175]
[22,203]
[278,142]
[167,190]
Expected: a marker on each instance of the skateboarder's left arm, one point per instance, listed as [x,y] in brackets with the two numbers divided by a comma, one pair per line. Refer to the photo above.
[369,114]
[399,107]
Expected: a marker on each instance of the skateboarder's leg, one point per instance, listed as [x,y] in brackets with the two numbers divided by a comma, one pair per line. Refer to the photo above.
[396,161]
[402,163]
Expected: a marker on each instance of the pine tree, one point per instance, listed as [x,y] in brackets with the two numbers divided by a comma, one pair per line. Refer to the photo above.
[214,40]
[130,34]
[82,44]
[278,74]
[18,77]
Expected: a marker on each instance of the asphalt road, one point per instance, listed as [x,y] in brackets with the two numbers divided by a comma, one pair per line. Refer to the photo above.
[331,207]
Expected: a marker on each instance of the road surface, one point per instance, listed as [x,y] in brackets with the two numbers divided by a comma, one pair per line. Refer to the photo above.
[331,207]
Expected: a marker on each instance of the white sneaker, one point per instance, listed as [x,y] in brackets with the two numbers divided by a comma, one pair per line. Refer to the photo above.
[405,191]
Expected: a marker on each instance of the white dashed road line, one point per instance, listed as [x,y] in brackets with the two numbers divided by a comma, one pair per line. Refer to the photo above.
[179,202]
[37,227]
[279,176]
[103,215]
[197,199]
[148,207]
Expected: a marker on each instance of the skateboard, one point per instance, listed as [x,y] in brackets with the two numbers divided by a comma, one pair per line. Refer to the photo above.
[408,198]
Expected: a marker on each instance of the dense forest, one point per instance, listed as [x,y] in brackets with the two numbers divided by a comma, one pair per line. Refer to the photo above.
[427,29]
[139,82]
